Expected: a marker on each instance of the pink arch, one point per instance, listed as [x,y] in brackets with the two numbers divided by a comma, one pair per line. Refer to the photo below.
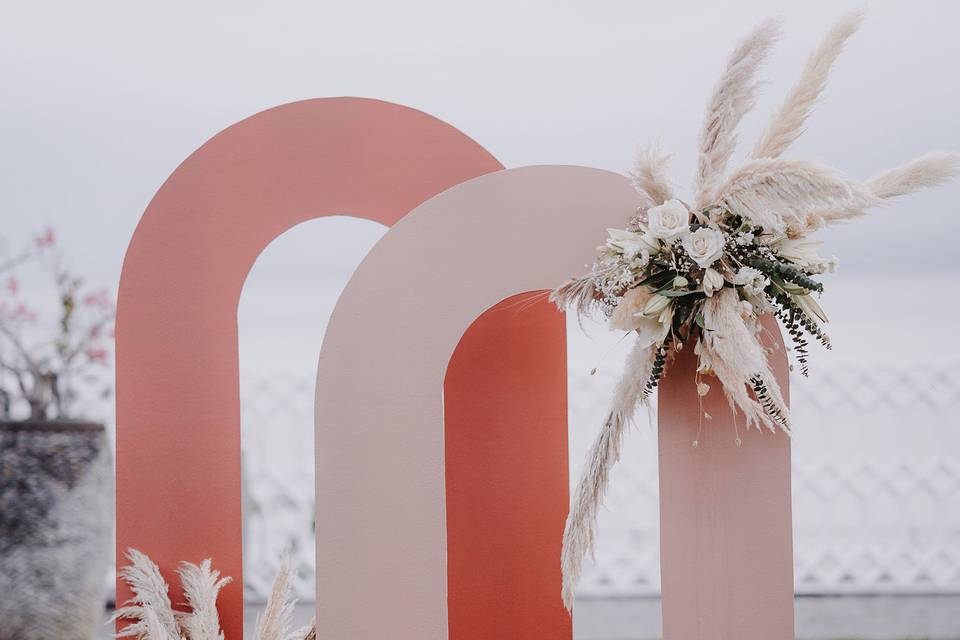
[178,438]
[492,504]
[384,448]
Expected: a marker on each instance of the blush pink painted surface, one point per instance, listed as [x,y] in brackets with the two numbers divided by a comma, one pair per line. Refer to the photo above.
[382,518]
[178,413]
[726,539]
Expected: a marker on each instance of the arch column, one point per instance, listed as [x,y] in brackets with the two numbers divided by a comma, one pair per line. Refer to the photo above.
[384,529]
[178,406]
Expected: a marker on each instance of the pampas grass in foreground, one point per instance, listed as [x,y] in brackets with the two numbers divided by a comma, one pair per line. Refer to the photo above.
[152,617]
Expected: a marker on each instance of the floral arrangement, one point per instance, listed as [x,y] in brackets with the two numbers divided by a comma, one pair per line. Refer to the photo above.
[45,366]
[700,275]
[151,615]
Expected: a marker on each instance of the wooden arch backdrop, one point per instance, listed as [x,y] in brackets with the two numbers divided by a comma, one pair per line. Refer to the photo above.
[178,412]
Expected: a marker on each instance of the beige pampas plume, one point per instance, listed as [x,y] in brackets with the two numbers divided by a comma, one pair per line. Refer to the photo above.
[788,123]
[733,96]
[929,170]
[201,586]
[578,535]
[649,175]
[154,630]
[739,361]
[274,622]
[154,619]
[776,193]
[578,293]
[150,607]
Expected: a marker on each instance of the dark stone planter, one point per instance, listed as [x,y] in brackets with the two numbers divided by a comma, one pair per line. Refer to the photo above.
[55,528]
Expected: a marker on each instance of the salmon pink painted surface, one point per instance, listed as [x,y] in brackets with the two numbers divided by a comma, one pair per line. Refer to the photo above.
[726,538]
[506,475]
[178,413]
[390,514]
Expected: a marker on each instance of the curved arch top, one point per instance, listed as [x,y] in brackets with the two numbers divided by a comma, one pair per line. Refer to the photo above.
[178,415]
[380,434]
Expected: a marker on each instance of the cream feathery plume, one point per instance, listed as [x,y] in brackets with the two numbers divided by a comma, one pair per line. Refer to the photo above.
[733,96]
[308,632]
[788,123]
[274,622]
[201,586]
[578,534]
[929,170]
[578,293]
[774,193]
[150,599]
[154,630]
[649,175]
[739,361]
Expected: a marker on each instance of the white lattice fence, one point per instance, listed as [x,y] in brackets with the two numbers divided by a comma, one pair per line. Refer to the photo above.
[876,483]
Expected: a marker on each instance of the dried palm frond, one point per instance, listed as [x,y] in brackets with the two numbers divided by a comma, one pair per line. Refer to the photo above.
[649,176]
[788,122]
[774,193]
[201,586]
[578,534]
[149,608]
[733,96]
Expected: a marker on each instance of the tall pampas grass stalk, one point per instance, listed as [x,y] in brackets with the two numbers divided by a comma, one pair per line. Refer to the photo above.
[579,533]
[733,96]
[789,121]
[775,192]
[201,586]
[153,618]
[274,622]
[929,170]
[149,608]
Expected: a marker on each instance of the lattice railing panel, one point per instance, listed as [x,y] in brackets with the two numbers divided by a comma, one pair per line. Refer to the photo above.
[876,473]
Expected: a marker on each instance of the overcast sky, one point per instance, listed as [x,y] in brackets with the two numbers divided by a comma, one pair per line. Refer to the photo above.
[102,100]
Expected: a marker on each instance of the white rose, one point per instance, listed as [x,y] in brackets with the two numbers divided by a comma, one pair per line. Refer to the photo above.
[669,221]
[704,246]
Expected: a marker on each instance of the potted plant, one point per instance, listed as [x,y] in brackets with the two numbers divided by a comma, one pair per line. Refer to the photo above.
[55,467]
